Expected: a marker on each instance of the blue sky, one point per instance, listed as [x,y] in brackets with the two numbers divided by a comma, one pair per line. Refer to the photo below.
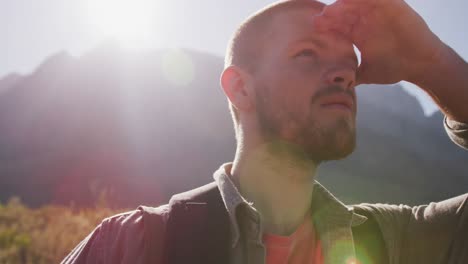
[31,30]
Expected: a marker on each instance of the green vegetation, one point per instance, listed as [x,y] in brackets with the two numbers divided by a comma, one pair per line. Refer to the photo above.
[46,234]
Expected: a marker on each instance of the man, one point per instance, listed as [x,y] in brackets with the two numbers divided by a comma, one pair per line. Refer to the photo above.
[290,76]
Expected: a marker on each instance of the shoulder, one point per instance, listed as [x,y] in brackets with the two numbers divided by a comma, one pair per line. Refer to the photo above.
[411,232]
[128,237]
[201,194]
[134,221]
[121,238]
[433,212]
[444,214]
[127,232]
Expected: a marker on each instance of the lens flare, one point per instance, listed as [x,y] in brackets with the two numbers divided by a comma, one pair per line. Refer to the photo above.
[131,22]
[178,67]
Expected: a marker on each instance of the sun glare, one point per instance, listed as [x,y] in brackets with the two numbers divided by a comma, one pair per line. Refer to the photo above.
[131,22]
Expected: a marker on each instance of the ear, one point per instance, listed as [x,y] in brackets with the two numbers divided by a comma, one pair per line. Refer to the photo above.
[234,82]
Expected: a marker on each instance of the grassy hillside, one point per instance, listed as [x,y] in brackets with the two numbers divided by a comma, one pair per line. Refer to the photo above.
[44,235]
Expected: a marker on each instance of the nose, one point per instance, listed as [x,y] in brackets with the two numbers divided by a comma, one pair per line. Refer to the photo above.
[344,77]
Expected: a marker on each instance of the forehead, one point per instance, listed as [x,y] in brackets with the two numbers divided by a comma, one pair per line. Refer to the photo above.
[297,25]
[294,28]
[294,21]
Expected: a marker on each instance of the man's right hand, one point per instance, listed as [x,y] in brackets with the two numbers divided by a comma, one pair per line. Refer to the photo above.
[395,42]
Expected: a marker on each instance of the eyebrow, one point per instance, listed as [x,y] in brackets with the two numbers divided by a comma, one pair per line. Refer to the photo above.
[321,44]
[318,42]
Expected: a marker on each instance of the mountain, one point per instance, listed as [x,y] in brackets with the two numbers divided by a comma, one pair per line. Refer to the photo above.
[134,128]
[8,81]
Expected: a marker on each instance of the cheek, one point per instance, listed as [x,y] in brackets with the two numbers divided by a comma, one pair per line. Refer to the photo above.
[293,114]
[289,104]
[297,98]
[288,93]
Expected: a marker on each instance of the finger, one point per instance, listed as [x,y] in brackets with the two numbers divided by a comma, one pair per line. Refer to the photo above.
[344,16]
[341,12]
[337,18]
[366,6]
[365,2]
[349,10]
[357,7]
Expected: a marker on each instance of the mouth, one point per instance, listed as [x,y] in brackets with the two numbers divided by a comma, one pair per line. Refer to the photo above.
[339,102]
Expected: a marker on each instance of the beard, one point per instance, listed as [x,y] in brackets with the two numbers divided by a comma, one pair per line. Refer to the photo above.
[331,139]
[329,142]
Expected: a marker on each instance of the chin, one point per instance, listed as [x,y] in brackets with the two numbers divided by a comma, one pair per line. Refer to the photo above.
[332,144]
[329,139]
[332,151]
[341,152]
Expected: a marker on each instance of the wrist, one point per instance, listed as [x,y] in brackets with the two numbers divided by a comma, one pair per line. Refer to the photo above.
[431,67]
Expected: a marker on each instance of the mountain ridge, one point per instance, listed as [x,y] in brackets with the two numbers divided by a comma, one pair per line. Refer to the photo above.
[114,122]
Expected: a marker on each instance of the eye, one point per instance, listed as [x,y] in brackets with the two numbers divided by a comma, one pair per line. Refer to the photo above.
[305,53]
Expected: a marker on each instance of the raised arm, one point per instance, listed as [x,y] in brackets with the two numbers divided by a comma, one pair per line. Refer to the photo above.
[396,44]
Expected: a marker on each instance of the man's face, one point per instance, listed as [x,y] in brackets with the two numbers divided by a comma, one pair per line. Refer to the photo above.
[305,87]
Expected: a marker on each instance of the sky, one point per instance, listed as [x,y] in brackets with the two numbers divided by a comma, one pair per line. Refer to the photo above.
[32,30]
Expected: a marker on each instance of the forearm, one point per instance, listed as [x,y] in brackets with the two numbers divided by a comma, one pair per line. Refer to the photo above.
[446,81]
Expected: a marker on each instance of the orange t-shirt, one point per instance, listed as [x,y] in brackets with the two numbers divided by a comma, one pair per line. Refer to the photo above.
[302,247]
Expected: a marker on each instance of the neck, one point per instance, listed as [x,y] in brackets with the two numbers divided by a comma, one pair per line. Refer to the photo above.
[278,180]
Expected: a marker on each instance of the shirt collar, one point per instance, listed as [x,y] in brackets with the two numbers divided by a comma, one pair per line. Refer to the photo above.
[232,199]
[324,204]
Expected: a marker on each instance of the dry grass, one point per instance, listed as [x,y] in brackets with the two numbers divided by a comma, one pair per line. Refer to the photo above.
[44,235]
